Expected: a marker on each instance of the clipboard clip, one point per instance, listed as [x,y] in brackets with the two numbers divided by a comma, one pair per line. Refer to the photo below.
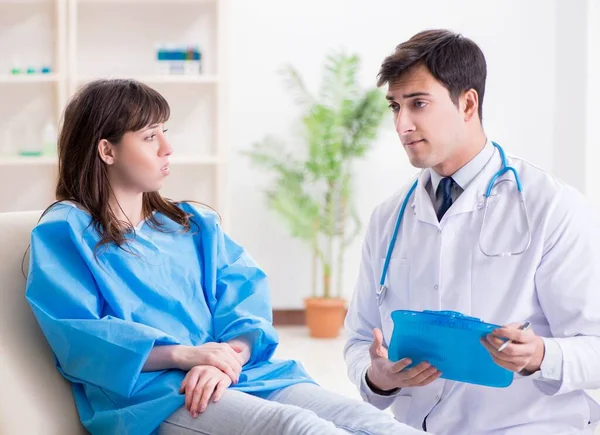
[453,314]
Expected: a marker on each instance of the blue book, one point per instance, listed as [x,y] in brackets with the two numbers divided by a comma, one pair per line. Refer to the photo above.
[449,341]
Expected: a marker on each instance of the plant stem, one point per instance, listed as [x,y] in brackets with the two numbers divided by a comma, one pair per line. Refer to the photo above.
[327,280]
[342,247]
[315,256]
[330,236]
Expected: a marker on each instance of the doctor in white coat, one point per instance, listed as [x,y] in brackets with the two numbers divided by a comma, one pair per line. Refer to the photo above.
[443,259]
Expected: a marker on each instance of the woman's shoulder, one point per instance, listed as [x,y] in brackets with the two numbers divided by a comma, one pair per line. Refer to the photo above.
[63,215]
[201,214]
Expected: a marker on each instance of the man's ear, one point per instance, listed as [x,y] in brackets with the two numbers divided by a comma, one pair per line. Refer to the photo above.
[106,151]
[470,104]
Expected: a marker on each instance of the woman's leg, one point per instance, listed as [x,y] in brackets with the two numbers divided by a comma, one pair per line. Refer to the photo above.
[353,416]
[243,414]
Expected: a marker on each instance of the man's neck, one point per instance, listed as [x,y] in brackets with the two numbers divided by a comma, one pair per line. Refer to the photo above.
[465,155]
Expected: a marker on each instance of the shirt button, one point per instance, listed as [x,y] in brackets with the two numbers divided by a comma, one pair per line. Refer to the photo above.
[438,398]
[435,287]
[439,231]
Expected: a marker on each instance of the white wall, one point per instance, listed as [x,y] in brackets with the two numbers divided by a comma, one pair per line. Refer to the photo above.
[592,151]
[518,39]
[571,74]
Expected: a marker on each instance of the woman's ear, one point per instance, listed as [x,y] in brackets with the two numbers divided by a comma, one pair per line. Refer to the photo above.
[471,104]
[106,151]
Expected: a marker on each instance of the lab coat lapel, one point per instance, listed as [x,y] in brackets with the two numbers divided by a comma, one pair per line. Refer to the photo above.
[423,209]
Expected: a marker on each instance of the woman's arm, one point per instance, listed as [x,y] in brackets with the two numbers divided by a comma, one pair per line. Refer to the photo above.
[219,355]
[237,293]
[162,358]
[241,303]
[61,290]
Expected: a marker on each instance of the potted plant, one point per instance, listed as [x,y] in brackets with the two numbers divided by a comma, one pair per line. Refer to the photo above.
[312,190]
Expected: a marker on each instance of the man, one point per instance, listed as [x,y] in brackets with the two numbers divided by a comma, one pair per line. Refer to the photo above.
[440,261]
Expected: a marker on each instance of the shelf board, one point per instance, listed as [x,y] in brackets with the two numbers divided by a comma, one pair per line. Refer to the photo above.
[160,79]
[27,161]
[28,78]
[25,2]
[50,160]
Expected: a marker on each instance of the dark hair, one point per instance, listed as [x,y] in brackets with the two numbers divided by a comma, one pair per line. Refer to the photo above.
[107,109]
[455,61]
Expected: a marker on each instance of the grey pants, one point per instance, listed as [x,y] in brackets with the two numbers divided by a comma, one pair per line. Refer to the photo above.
[302,409]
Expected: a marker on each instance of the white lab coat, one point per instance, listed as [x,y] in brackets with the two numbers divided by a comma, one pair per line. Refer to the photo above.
[438,266]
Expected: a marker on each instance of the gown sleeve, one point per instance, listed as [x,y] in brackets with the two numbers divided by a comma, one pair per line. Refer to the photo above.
[240,299]
[105,351]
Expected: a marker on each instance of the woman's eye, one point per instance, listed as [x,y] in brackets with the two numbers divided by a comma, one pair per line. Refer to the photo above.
[420,104]
[151,137]
[394,107]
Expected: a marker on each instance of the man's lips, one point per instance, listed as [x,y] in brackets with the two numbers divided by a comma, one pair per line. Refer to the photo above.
[413,142]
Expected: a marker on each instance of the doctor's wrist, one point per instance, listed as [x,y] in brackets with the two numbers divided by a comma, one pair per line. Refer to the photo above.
[378,390]
[536,361]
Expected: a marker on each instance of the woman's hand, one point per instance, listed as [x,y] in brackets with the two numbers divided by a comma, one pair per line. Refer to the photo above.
[242,347]
[200,384]
[219,355]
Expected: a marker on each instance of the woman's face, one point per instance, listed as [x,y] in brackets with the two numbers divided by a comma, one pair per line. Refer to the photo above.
[140,162]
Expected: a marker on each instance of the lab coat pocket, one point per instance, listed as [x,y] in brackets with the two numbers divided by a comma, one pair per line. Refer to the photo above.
[397,295]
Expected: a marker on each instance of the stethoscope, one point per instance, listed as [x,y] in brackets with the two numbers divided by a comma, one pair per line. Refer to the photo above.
[505,168]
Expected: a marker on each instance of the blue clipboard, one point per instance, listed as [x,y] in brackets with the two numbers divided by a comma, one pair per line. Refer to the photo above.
[450,342]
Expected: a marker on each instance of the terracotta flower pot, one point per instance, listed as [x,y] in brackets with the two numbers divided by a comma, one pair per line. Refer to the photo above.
[325,317]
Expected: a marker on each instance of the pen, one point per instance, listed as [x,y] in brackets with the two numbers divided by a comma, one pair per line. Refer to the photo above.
[524,327]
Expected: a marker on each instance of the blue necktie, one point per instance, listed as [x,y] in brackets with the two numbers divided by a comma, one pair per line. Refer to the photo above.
[446,186]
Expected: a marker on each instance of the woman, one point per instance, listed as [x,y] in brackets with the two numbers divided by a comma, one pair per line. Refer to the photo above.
[159,320]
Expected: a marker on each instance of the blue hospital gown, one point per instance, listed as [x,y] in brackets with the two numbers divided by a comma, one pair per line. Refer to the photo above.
[102,317]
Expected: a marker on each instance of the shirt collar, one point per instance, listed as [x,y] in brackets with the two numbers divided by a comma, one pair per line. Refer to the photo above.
[468,172]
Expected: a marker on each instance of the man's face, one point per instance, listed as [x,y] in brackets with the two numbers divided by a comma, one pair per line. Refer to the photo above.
[429,124]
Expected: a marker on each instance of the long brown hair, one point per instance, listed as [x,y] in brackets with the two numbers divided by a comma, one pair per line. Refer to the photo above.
[107,109]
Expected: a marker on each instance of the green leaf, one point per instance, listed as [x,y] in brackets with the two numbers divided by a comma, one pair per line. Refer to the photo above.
[293,81]
[312,187]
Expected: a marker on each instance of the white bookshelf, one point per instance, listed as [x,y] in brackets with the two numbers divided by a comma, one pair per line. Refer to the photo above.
[9,79]
[83,40]
[27,161]
[161,79]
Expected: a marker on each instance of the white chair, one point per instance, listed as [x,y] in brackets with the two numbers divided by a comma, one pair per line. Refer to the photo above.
[34,398]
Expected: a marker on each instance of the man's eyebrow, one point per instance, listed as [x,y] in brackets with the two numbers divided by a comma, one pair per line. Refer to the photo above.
[406,96]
